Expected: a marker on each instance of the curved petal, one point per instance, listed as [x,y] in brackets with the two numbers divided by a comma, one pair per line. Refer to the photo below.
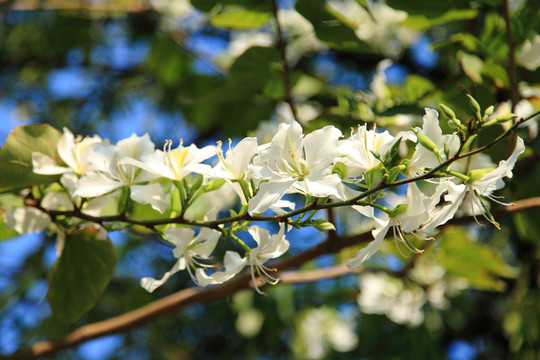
[363,254]
[269,193]
[95,184]
[26,220]
[150,194]
[45,165]
[150,284]
[181,237]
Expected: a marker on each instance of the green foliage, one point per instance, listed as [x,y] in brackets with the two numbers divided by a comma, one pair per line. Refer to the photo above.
[80,275]
[239,18]
[479,264]
[16,156]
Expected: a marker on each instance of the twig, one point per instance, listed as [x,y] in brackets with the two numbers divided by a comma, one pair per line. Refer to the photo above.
[190,296]
[282,47]
[511,68]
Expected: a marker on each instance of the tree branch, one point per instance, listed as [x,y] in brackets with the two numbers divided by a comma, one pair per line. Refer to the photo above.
[511,67]
[194,295]
[282,47]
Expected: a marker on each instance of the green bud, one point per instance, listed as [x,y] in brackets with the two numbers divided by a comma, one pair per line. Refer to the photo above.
[452,124]
[425,141]
[504,118]
[323,225]
[477,174]
[340,169]
[474,104]
[469,142]
[489,111]
[447,111]
[398,210]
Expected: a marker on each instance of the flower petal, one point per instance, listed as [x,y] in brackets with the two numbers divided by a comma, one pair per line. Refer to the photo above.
[150,194]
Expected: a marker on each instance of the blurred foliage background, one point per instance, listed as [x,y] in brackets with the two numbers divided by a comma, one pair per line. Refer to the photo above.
[205,70]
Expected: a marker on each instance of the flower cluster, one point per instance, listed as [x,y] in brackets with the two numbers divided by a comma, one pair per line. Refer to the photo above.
[408,197]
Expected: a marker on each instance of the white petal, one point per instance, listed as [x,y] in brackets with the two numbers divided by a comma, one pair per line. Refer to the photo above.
[181,237]
[440,215]
[56,200]
[493,180]
[45,165]
[95,184]
[135,147]
[321,145]
[26,220]
[269,193]
[150,194]
[322,185]
[207,241]
[372,247]
[150,284]
[233,264]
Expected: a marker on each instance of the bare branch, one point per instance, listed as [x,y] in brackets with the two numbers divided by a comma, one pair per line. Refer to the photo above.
[282,47]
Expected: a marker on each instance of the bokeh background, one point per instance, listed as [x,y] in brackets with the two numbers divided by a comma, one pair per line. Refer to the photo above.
[182,70]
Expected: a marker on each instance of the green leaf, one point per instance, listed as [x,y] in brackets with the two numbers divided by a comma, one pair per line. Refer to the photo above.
[340,169]
[240,19]
[16,156]
[256,63]
[5,232]
[213,185]
[81,274]
[472,66]
[330,28]
[481,265]
[424,14]
[415,87]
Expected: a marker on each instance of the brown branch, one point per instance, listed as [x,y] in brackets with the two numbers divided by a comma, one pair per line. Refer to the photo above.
[190,296]
[511,67]
[282,47]
[296,277]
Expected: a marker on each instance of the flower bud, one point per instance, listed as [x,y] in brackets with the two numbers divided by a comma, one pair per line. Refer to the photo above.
[323,225]
[477,174]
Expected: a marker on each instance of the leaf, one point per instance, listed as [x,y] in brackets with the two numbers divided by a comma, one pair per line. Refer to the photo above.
[335,31]
[256,63]
[472,66]
[479,264]
[415,87]
[213,185]
[81,274]
[16,156]
[5,232]
[240,19]
[424,14]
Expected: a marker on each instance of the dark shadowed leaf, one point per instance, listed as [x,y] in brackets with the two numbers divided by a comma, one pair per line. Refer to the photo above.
[79,277]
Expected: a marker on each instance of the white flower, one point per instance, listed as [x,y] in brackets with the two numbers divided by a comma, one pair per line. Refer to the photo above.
[234,165]
[294,163]
[75,152]
[379,25]
[529,54]
[114,173]
[358,150]
[189,251]
[268,247]
[481,184]
[408,218]
[382,294]
[174,164]
[424,158]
